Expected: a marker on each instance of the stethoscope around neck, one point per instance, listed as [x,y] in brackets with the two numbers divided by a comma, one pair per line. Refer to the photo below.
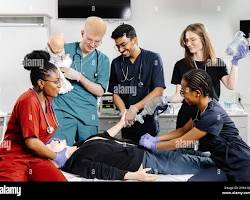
[50,129]
[126,79]
[80,58]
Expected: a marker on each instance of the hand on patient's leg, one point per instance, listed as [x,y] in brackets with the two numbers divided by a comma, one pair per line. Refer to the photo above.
[149,141]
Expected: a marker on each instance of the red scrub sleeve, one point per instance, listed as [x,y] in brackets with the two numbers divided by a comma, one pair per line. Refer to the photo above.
[29,114]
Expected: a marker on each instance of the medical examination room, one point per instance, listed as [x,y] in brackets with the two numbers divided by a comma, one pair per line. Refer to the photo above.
[124,91]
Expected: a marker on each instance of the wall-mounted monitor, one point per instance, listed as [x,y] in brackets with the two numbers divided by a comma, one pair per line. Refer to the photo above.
[107,9]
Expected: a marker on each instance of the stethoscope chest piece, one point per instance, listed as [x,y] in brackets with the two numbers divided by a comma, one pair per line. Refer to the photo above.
[50,129]
[140,84]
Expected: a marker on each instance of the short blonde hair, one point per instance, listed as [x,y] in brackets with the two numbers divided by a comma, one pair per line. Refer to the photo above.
[95,25]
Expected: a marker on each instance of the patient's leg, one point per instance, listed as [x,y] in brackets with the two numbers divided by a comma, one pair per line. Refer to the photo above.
[174,162]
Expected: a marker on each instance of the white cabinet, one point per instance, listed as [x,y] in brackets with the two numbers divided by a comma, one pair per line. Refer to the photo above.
[242,123]
[3,125]
[167,123]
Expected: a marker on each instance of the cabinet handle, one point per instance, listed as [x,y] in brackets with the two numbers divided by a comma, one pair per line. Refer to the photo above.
[112,122]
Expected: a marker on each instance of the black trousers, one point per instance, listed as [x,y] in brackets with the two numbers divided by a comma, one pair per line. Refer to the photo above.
[134,133]
[185,113]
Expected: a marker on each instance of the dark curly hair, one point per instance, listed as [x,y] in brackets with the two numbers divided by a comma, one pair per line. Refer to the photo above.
[124,29]
[37,62]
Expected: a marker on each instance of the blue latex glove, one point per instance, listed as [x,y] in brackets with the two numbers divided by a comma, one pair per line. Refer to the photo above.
[242,52]
[61,158]
[149,141]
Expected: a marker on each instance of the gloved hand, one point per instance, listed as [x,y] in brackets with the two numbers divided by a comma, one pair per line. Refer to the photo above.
[71,73]
[149,141]
[61,158]
[242,52]
[130,115]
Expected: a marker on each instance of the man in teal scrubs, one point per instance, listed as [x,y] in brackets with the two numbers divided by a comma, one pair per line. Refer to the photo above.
[76,110]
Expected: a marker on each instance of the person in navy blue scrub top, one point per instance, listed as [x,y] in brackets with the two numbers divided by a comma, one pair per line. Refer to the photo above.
[213,129]
[136,77]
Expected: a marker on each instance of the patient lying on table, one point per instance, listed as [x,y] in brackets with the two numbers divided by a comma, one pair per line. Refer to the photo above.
[104,157]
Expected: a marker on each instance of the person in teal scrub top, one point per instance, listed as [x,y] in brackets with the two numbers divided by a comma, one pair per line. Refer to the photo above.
[89,75]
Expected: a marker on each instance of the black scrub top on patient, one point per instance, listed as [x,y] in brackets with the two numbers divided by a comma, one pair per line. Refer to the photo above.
[216,73]
[229,152]
[151,76]
[107,158]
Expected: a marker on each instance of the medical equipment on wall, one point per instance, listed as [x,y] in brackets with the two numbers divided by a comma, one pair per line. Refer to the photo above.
[106,105]
[157,104]
[50,129]
[125,75]
[238,40]
[76,54]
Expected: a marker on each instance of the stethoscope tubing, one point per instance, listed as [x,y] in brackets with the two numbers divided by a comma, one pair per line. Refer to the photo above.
[140,83]
[80,58]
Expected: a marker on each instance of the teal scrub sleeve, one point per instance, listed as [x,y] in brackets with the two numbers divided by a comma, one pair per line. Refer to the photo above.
[103,72]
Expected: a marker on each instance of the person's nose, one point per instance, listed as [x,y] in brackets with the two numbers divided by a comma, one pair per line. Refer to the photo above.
[188,43]
[92,44]
[59,85]
[121,49]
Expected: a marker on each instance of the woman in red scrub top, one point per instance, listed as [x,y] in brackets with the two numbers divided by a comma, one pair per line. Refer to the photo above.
[31,126]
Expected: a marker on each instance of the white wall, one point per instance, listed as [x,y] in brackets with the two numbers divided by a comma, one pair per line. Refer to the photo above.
[159,24]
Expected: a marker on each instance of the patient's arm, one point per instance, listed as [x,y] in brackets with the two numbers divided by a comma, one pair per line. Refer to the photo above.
[113,131]
[140,175]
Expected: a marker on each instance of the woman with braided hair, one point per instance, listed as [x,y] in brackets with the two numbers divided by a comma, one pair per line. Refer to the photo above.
[32,124]
[213,129]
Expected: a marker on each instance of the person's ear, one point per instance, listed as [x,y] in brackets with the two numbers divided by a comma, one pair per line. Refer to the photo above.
[40,84]
[82,33]
[134,40]
[198,93]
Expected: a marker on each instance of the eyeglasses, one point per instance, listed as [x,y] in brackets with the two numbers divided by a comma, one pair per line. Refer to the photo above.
[183,91]
[191,40]
[90,41]
[57,82]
